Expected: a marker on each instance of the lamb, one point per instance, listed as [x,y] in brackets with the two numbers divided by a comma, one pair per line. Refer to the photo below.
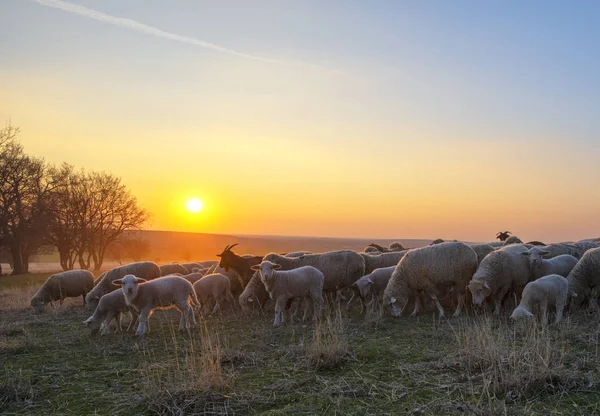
[584,277]
[213,287]
[500,272]
[145,270]
[167,269]
[302,282]
[372,285]
[111,305]
[561,265]
[380,260]
[162,293]
[340,268]
[481,250]
[434,270]
[63,285]
[551,290]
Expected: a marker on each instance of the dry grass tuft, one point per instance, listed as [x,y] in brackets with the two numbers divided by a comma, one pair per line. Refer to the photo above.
[191,379]
[17,298]
[329,347]
[513,361]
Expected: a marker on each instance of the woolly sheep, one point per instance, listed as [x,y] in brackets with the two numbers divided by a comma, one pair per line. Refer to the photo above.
[481,250]
[144,269]
[172,268]
[191,266]
[561,265]
[213,287]
[372,285]
[499,272]
[584,277]
[193,277]
[282,285]
[111,305]
[164,292]
[433,270]
[551,290]
[340,268]
[63,285]
[99,278]
[380,260]
[296,254]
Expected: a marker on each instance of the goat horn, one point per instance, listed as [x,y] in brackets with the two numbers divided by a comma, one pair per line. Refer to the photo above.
[232,246]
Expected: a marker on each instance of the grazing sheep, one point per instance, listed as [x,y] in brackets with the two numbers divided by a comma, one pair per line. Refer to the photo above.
[370,249]
[173,268]
[282,285]
[63,285]
[551,290]
[499,273]
[503,235]
[111,305]
[513,239]
[561,265]
[163,293]
[99,278]
[481,250]
[380,260]
[144,269]
[213,287]
[340,268]
[584,277]
[433,270]
[371,286]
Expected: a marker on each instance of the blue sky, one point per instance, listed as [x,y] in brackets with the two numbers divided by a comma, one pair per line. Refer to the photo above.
[396,89]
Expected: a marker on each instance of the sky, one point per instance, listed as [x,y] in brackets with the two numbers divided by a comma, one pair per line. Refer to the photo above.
[385,119]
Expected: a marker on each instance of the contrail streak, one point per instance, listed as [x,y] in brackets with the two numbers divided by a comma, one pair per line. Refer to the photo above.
[150,30]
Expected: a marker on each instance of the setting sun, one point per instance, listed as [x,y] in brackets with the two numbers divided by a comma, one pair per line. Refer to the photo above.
[194,205]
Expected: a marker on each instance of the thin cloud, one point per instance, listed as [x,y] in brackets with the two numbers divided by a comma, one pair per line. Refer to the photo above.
[150,30]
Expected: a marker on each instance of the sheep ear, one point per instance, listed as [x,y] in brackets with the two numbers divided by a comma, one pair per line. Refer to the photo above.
[250,300]
[255,268]
[140,280]
[574,294]
[369,281]
[392,300]
[118,282]
[486,285]
[277,266]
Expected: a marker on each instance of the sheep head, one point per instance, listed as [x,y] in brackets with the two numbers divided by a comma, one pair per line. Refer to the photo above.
[394,304]
[480,290]
[227,257]
[267,272]
[130,285]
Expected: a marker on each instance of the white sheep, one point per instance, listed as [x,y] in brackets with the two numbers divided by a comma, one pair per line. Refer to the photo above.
[282,285]
[513,239]
[500,272]
[380,260]
[561,265]
[213,287]
[164,292]
[111,305]
[584,277]
[551,290]
[144,269]
[167,269]
[340,268]
[371,286]
[434,270]
[63,285]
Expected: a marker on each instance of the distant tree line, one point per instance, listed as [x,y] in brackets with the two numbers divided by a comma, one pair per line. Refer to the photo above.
[42,207]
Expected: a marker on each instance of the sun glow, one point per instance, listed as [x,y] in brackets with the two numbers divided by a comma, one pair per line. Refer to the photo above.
[194,205]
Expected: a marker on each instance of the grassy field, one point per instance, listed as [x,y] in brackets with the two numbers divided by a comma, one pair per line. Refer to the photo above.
[347,363]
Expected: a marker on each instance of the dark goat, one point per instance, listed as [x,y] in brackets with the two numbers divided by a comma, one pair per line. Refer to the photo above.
[240,264]
[503,235]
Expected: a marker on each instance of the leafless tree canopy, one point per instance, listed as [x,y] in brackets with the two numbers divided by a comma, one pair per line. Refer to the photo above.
[80,213]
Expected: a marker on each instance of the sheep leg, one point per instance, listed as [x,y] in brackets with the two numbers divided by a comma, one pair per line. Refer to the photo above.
[309,306]
[192,318]
[83,296]
[134,316]
[318,302]
[438,305]
[499,298]
[544,312]
[106,323]
[459,305]
[559,312]
[417,308]
[216,308]
[143,326]
[279,308]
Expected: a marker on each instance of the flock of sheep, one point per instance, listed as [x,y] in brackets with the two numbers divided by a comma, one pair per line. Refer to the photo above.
[438,276]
